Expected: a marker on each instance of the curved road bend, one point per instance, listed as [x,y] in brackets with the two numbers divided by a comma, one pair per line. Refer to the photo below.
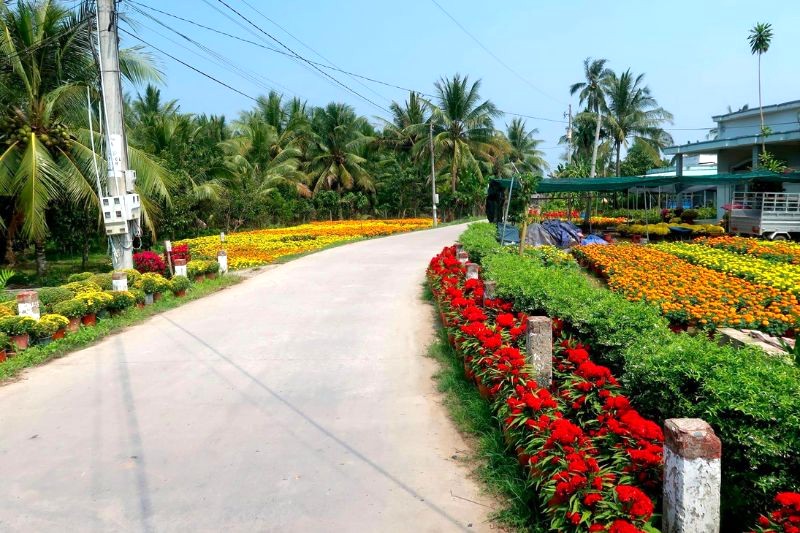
[298,400]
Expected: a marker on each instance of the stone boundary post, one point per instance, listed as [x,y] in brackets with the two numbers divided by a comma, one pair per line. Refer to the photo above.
[180,267]
[692,477]
[119,281]
[462,257]
[28,304]
[489,291]
[472,271]
[222,259]
[539,349]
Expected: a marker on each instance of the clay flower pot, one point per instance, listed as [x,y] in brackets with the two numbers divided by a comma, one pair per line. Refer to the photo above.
[211,275]
[181,293]
[89,319]
[20,341]
[59,334]
[140,305]
[200,278]
[74,324]
[2,355]
[156,296]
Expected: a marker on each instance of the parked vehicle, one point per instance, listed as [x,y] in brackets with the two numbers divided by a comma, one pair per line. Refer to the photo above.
[771,215]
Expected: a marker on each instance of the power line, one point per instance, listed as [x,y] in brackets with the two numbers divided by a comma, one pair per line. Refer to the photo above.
[298,56]
[187,65]
[309,47]
[216,57]
[496,58]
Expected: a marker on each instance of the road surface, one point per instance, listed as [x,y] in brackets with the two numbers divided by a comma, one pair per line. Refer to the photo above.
[298,400]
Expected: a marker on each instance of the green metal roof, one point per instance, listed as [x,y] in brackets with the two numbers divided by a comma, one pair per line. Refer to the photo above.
[553,185]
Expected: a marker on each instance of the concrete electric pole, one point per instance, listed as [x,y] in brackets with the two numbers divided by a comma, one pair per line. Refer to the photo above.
[434,196]
[121,208]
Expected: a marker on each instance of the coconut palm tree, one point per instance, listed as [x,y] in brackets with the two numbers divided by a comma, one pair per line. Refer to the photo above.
[632,112]
[760,38]
[591,92]
[463,126]
[524,152]
[253,166]
[45,152]
[409,126]
[337,138]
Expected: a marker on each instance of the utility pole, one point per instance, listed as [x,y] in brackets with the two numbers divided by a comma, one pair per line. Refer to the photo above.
[434,198]
[121,208]
[569,135]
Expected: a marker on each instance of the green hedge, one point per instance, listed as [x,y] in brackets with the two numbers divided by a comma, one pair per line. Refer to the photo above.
[479,240]
[752,400]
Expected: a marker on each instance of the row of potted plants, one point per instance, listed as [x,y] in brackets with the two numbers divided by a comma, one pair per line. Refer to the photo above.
[200,269]
[594,462]
[79,302]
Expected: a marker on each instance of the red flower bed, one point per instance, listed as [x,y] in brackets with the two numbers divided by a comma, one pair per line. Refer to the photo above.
[179,251]
[148,261]
[591,457]
[784,519]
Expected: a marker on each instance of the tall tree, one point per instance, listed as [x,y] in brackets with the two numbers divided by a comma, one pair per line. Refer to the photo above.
[463,124]
[335,162]
[633,113]
[760,38]
[525,154]
[591,92]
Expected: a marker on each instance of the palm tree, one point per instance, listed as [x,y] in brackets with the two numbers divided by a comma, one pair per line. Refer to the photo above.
[633,113]
[591,91]
[409,126]
[524,152]
[45,152]
[253,166]
[463,125]
[335,162]
[760,38]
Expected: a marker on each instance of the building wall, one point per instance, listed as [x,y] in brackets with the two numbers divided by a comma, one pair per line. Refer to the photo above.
[778,121]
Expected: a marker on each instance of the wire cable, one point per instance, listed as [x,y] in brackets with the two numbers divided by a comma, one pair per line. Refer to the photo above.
[298,56]
[187,65]
[496,58]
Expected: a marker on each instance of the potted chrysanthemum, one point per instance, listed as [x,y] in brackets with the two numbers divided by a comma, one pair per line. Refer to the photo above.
[18,328]
[73,309]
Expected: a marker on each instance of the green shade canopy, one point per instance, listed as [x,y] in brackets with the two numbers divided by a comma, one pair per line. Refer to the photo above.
[553,185]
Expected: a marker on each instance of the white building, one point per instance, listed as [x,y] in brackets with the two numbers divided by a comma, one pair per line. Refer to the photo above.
[738,144]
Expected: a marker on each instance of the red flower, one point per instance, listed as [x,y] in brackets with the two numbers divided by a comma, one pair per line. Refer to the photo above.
[635,502]
[148,262]
[505,320]
[575,518]
[623,526]
[591,499]
[788,499]
[594,528]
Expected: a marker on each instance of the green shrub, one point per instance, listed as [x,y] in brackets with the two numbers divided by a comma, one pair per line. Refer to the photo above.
[83,276]
[79,287]
[751,400]
[103,281]
[95,301]
[480,240]
[179,283]
[16,325]
[48,325]
[212,267]
[73,308]
[152,283]
[49,296]
[133,276]
[3,341]
[120,300]
[138,295]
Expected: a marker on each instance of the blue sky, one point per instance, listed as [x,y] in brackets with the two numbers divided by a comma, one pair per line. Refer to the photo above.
[695,54]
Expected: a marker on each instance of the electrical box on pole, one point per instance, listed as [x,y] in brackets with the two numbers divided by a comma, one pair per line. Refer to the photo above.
[121,207]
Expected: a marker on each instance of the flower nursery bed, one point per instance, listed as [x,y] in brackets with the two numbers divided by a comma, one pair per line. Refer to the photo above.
[750,399]
[690,294]
[87,335]
[252,248]
[591,459]
[779,251]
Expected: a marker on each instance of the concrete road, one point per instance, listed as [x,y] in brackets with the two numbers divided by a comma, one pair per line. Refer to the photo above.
[299,400]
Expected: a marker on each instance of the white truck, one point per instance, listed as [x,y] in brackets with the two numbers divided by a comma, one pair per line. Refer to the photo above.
[771,215]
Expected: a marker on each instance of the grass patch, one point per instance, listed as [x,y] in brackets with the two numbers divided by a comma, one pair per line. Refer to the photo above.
[86,336]
[495,467]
